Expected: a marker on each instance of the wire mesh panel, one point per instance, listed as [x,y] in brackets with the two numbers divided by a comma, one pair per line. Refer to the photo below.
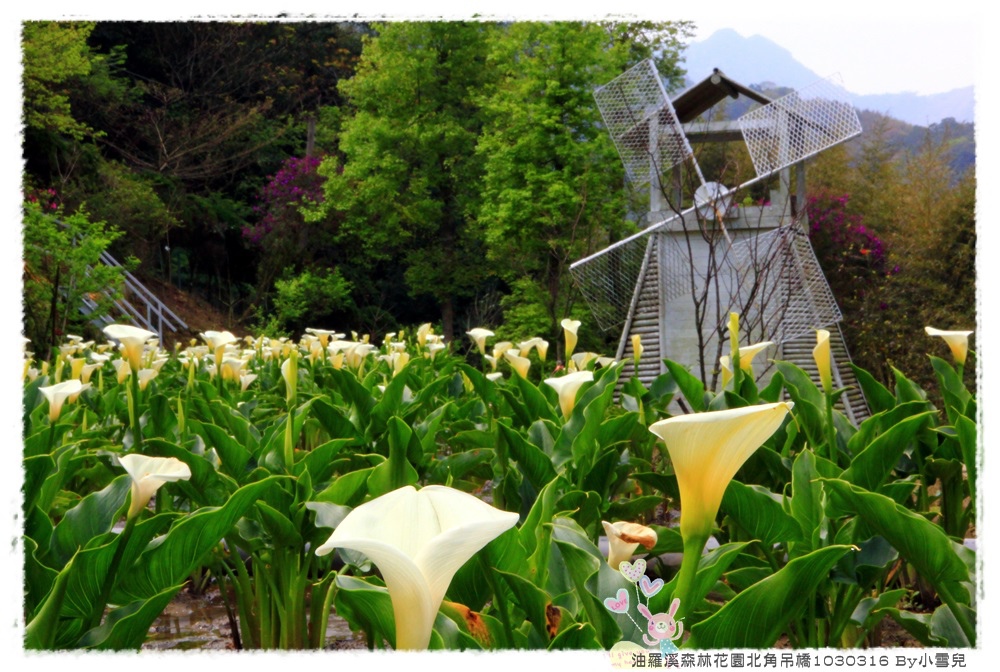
[642,122]
[798,125]
[779,284]
[610,280]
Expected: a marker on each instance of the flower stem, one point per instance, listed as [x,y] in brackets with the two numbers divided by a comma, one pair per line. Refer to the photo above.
[693,546]
[109,578]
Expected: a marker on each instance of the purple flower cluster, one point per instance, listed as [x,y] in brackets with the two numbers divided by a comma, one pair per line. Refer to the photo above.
[854,258]
[842,237]
[295,184]
[48,199]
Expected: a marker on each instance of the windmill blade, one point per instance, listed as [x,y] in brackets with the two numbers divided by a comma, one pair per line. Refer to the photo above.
[778,281]
[642,123]
[799,125]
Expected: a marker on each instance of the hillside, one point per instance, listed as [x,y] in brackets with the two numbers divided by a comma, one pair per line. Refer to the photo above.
[756,59]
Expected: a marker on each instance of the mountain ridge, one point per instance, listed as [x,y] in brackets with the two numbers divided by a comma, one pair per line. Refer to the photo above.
[759,60]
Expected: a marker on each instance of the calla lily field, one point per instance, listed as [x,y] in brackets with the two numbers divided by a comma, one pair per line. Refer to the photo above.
[436,496]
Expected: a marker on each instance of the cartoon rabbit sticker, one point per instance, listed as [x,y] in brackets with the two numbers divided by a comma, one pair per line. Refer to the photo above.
[663,628]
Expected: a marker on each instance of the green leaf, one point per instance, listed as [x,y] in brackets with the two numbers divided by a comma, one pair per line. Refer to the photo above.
[967,439]
[348,489]
[755,618]
[531,600]
[536,405]
[906,389]
[575,637]
[690,386]
[396,472]
[759,512]
[233,455]
[806,504]
[126,627]
[536,465]
[879,398]
[279,527]
[92,517]
[319,462]
[40,632]
[870,468]
[169,562]
[922,543]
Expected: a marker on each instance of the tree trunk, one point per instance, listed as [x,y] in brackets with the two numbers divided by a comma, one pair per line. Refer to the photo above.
[448,319]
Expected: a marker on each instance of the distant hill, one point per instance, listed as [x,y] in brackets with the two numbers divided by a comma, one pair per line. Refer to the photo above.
[758,60]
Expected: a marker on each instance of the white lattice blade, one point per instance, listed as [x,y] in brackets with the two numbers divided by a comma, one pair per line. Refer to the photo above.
[799,125]
[642,123]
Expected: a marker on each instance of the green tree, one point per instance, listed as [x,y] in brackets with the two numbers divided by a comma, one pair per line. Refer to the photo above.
[64,280]
[54,52]
[553,184]
[408,180]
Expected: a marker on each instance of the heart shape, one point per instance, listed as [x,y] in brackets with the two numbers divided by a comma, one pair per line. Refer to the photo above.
[633,570]
[650,588]
[619,605]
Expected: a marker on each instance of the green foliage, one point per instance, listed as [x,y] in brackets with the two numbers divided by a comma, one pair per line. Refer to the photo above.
[309,297]
[62,269]
[54,52]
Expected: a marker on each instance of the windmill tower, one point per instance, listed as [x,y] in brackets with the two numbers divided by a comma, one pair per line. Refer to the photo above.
[699,258]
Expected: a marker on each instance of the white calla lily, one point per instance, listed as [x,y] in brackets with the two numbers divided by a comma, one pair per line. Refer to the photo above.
[419,539]
[821,355]
[57,395]
[748,352]
[958,341]
[569,332]
[624,538]
[133,340]
[707,449]
[479,336]
[567,386]
[148,475]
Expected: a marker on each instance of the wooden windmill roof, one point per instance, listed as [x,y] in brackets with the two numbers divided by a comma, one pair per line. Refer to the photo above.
[709,91]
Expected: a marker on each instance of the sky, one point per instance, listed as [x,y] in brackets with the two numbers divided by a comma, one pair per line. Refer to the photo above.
[871,56]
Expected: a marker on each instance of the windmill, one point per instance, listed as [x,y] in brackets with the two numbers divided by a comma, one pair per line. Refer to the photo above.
[674,282]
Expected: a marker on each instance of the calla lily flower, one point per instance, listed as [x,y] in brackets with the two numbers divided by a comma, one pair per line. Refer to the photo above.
[217,341]
[495,376]
[324,335]
[569,332]
[748,352]
[479,336]
[422,332]
[122,369]
[146,375]
[501,348]
[727,370]
[624,538]
[567,386]
[539,344]
[434,348]
[958,341]
[133,339]
[518,363]
[707,449]
[636,350]
[583,359]
[821,353]
[148,475]
[246,379]
[419,539]
[57,395]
